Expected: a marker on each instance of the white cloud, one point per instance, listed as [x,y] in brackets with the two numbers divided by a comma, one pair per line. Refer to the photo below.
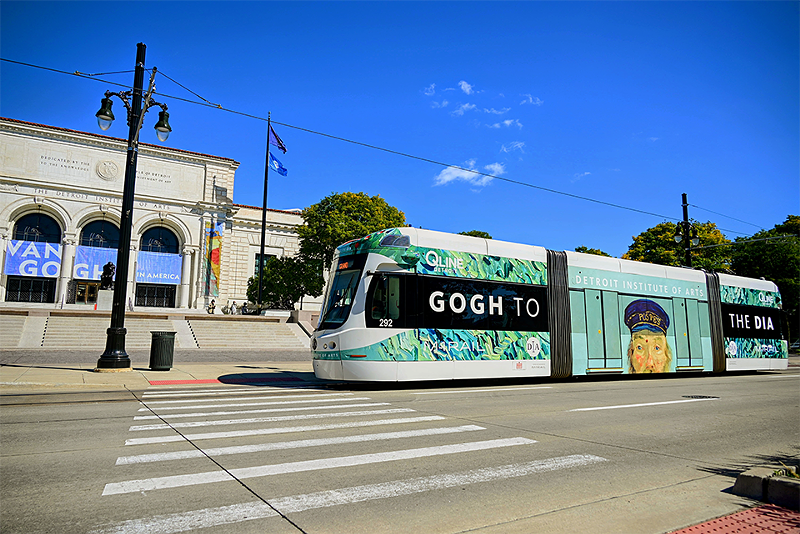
[430,91]
[467,88]
[470,174]
[497,111]
[514,145]
[578,175]
[507,123]
[530,99]
[462,108]
[441,104]
[653,139]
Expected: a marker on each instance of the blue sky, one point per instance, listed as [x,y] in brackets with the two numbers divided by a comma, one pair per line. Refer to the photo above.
[627,103]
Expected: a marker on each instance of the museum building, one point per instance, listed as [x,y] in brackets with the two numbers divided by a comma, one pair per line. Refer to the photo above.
[60,201]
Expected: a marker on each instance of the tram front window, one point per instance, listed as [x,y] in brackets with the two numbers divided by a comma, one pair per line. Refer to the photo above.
[340,300]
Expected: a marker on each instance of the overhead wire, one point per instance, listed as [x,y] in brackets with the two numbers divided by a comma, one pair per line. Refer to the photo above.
[207,103]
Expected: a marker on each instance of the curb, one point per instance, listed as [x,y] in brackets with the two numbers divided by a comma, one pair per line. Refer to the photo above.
[762,484]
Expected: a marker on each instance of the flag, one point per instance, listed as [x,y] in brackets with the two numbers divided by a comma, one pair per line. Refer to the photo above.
[275,140]
[277,165]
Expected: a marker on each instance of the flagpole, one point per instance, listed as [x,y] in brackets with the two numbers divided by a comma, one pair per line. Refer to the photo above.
[264,213]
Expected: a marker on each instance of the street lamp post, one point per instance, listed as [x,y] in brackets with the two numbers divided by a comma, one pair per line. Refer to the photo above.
[686,233]
[115,358]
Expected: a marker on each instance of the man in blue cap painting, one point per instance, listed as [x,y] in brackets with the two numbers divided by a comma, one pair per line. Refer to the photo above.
[648,351]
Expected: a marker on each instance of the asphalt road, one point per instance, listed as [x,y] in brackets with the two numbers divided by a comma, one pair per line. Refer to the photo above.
[599,456]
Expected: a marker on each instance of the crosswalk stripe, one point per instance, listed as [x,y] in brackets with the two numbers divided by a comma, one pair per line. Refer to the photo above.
[262,447]
[191,393]
[267,403]
[224,515]
[209,477]
[262,410]
[285,430]
[190,401]
[253,420]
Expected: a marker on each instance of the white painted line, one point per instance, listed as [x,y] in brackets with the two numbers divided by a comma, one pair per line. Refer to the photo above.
[636,405]
[195,393]
[477,390]
[782,376]
[285,430]
[267,403]
[262,410]
[245,449]
[225,515]
[176,481]
[189,401]
[252,420]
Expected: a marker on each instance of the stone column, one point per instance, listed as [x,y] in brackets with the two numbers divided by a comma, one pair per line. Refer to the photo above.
[131,275]
[64,277]
[186,273]
[3,243]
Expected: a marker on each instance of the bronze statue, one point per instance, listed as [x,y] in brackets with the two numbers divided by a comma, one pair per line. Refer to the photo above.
[106,279]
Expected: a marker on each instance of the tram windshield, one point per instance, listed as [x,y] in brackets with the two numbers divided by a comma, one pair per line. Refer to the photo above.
[343,288]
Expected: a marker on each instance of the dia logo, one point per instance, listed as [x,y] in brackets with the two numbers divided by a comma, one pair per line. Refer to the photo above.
[533,347]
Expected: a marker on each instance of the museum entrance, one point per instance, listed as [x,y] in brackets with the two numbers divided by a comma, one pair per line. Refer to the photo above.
[86,292]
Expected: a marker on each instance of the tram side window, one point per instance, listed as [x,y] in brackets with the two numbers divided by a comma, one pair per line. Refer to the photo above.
[341,298]
[388,306]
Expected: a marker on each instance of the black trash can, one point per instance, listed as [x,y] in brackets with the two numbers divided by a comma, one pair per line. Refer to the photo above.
[162,348]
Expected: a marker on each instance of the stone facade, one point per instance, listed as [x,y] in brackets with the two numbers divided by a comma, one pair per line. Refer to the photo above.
[76,178]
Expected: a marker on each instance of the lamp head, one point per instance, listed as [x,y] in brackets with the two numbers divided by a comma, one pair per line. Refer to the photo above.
[105,116]
[162,126]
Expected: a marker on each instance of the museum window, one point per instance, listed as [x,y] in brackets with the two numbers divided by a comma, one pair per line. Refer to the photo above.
[100,234]
[37,227]
[160,239]
[263,262]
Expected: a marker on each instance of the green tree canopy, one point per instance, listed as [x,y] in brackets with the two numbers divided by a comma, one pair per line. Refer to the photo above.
[284,281]
[657,245]
[476,233]
[777,260]
[341,217]
[595,251]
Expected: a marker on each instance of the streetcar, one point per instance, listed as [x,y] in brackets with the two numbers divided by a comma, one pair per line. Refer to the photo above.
[407,304]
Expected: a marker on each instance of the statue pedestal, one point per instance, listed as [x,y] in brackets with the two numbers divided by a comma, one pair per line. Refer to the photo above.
[105,299]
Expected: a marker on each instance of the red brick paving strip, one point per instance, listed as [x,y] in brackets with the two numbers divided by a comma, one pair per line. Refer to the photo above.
[767,519]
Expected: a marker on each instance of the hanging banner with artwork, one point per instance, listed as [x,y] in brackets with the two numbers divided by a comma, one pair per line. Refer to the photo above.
[89,262]
[32,258]
[213,248]
[158,268]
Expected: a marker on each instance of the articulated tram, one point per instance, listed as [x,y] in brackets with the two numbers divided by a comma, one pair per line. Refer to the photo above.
[410,304]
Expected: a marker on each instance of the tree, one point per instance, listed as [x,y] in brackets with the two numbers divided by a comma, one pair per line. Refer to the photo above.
[777,260]
[657,245]
[476,233]
[342,217]
[595,251]
[284,281]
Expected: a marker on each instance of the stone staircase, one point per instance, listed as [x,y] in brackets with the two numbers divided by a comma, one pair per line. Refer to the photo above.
[63,332]
[11,327]
[245,334]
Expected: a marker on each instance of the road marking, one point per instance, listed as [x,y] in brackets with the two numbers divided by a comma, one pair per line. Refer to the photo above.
[477,390]
[262,410]
[285,430]
[194,393]
[636,405]
[210,517]
[251,420]
[190,401]
[238,404]
[244,449]
[209,477]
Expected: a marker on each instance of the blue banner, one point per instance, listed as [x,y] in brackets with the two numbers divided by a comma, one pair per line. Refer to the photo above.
[158,268]
[31,258]
[89,262]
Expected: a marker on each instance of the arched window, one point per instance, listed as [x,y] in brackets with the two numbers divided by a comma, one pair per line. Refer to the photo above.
[37,227]
[101,234]
[160,239]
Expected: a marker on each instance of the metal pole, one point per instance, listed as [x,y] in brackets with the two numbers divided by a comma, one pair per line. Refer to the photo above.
[264,213]
[115,356]
[687,238]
